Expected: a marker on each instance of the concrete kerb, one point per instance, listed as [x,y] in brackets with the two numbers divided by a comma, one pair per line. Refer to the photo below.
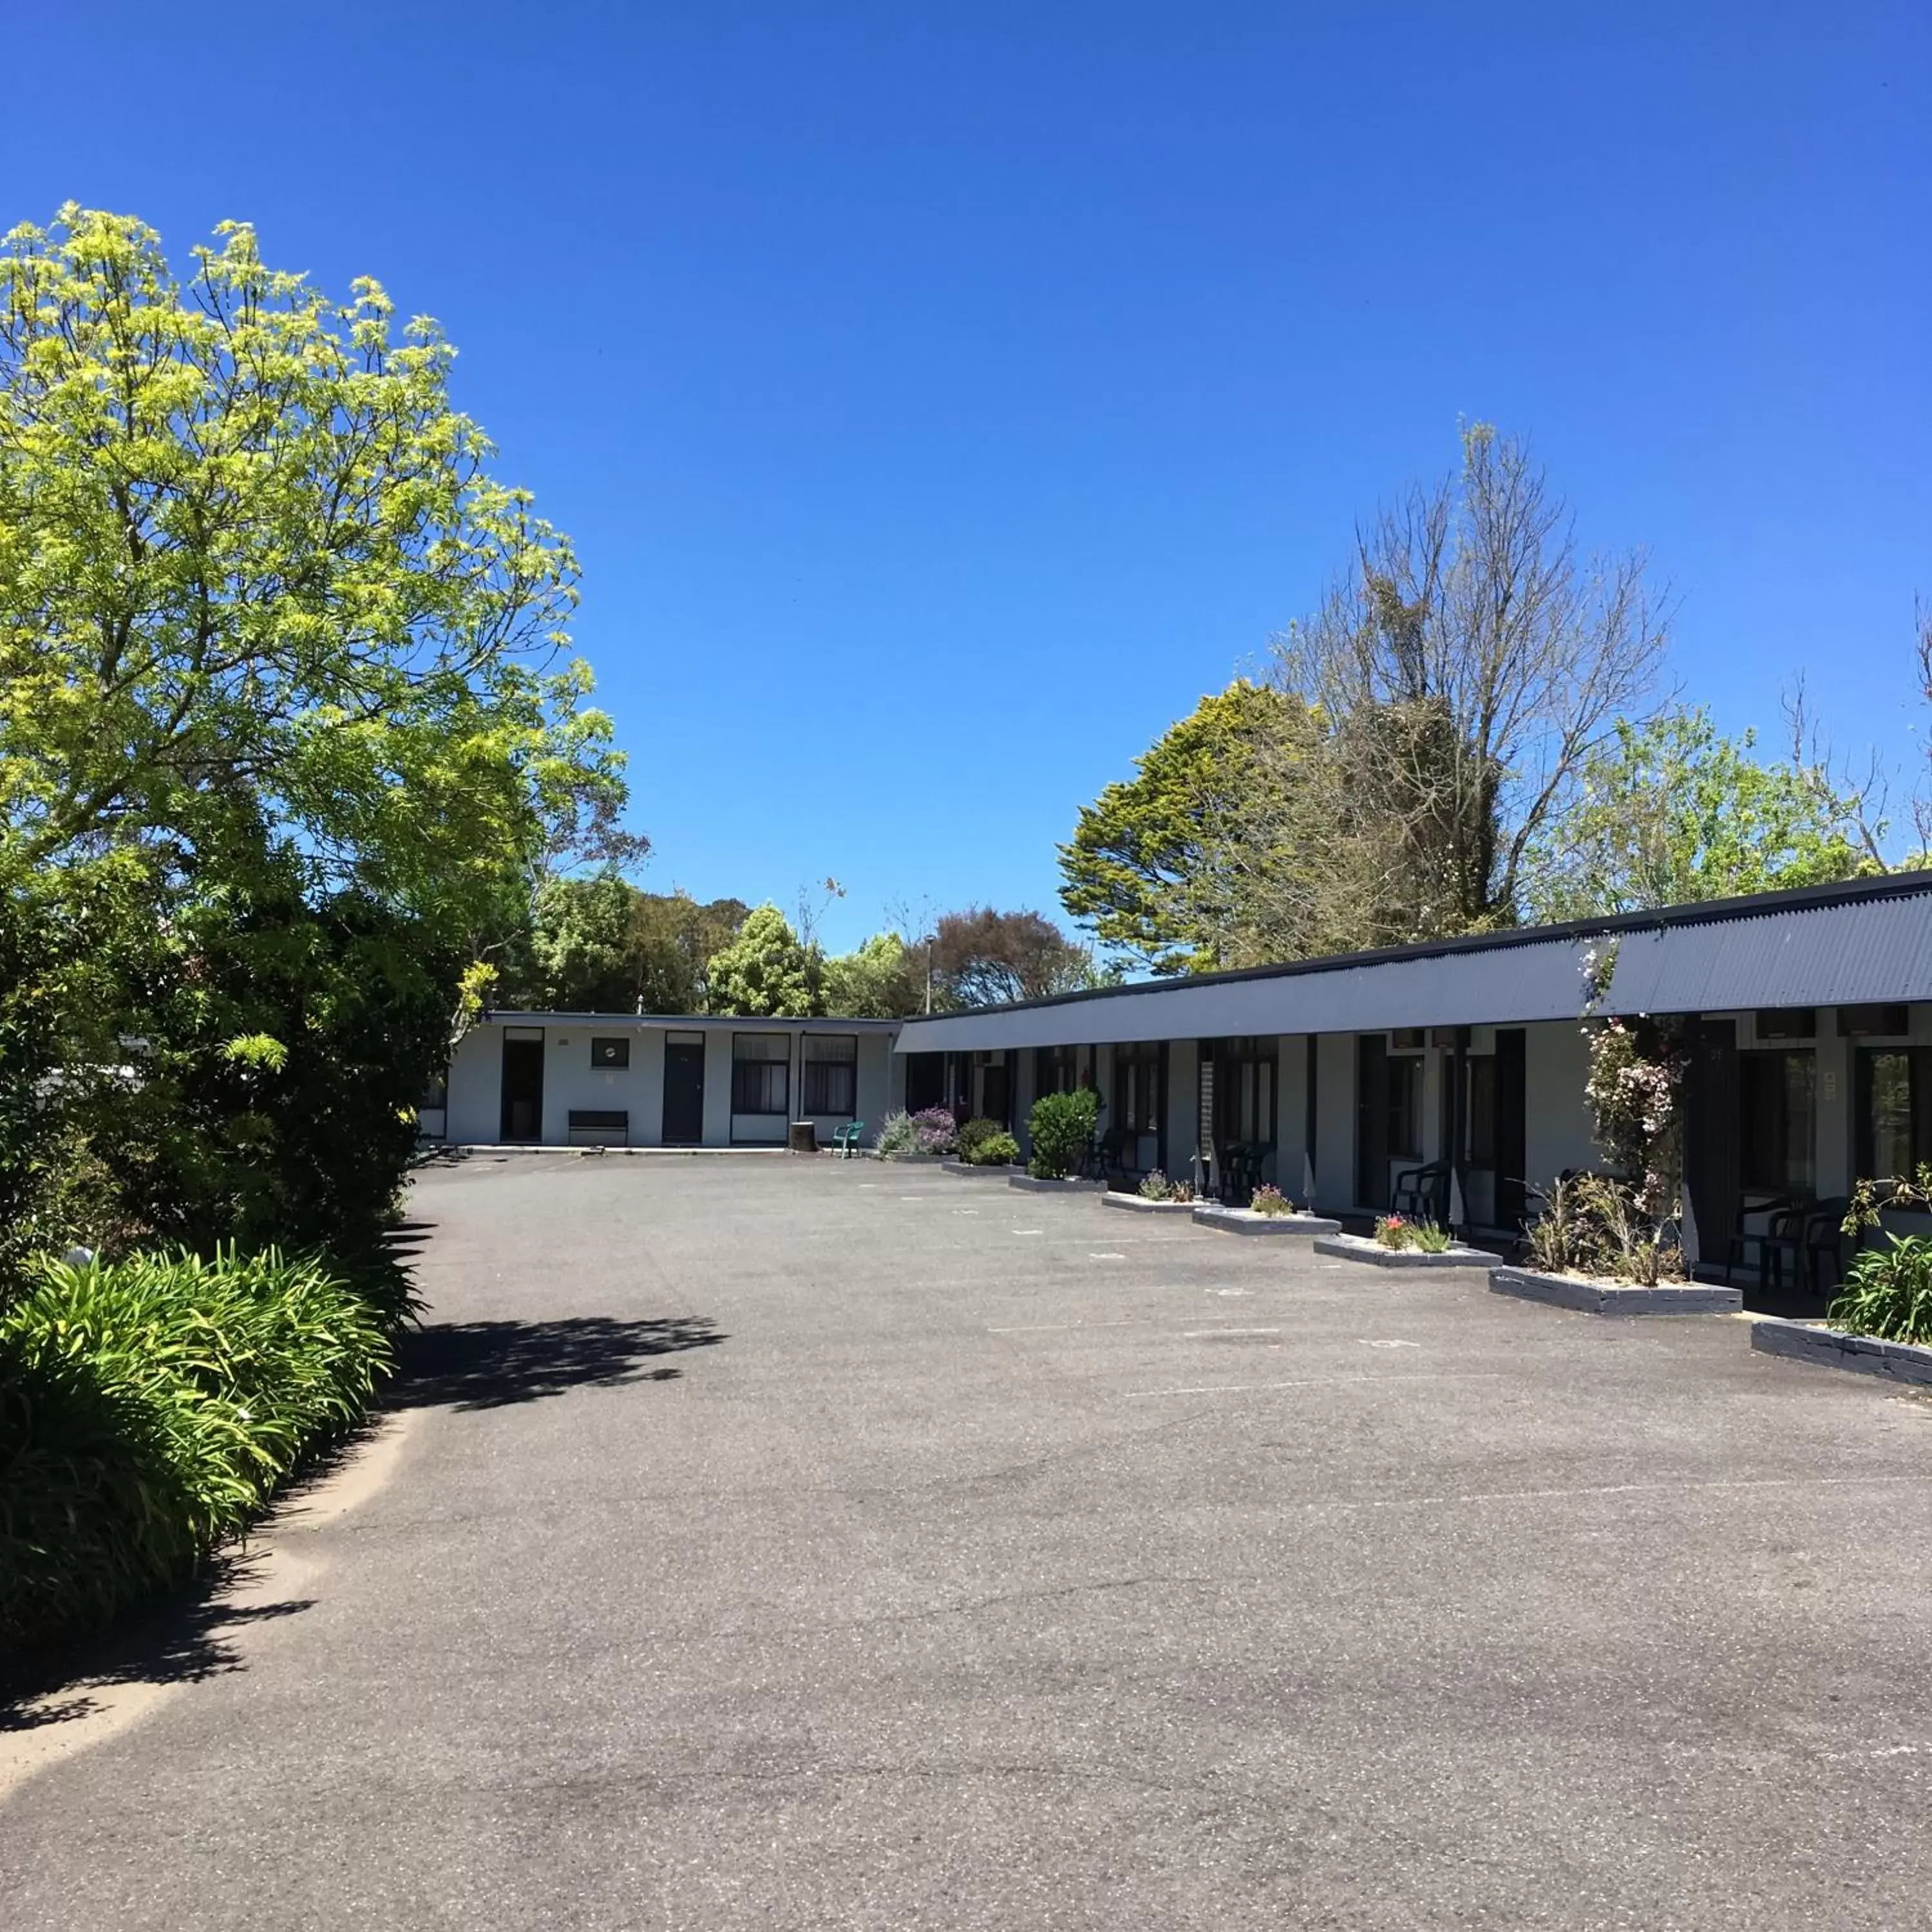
[1611,1298]
[1136,1204]
[1032,1184]
[1359,1248]
[1833,1348]
[1246,1221]
[975,1171]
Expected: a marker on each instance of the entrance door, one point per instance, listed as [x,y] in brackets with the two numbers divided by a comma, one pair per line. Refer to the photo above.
[684,1094]
[523,1084]
[1711,1180]
[1372,1112]
[1512,1125]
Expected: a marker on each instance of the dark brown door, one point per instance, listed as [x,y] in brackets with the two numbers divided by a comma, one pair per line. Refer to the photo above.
[522,1090]
[1711,1151]
[1372,1113]
[1512,1125]
[684,1094]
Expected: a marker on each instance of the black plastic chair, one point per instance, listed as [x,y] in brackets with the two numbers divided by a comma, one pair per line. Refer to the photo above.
[1423,1192]
[1782,1235]
[1822,1254]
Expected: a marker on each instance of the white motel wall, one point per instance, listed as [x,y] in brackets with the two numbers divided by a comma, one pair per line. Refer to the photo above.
[733,1083]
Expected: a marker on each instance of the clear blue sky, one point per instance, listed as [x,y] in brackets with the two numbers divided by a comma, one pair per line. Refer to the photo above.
[943,397]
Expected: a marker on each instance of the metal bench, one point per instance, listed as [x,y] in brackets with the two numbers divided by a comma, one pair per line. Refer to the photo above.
[599,1126]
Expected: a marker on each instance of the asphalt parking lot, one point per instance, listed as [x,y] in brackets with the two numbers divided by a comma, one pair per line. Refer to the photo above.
[792,1544]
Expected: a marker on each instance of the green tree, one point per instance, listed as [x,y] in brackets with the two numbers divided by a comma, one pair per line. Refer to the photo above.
[674,939]
[884,979]
[1147,857]
[253,568]
[1673,812]
[983,957]
[766,971]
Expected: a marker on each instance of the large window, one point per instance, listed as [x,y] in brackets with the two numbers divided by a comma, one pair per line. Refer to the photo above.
[1137,1087]
[1778,1091]
[1894,1111]
[760,1073]
[1244,1071]
[831,1074]
[1056,1069]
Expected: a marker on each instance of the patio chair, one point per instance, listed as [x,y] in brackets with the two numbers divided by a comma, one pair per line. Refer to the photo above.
[1822,1254]
[1423,1192]
[845,1141]
[1781,1236]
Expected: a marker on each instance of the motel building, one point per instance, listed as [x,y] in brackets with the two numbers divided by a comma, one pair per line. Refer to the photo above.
[1446,1079]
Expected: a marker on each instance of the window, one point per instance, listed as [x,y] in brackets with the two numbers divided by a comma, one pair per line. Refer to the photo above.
[1482,1125]
[1405,1108]
[614,1052]
[760,1073]
[1894,1111]
[1787,1022]
[1055,1069]
[830,1075]
[1247,1076]
[1863,1022]
[1137,1087]
[435,1094]
[1777,1092]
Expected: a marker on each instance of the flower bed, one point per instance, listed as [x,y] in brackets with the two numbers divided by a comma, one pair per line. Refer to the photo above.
[1360,1248]
[1594,1296]
[1139,1203]
[1246,1221]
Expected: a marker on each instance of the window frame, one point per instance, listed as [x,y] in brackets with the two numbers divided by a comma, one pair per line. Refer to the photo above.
[1762,1101]
[741,1063]
[1918,1109]
[808,1066]
[1403,1070]
[620,1041]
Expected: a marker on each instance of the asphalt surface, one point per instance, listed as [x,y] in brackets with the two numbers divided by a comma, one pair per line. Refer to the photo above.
[812,1545]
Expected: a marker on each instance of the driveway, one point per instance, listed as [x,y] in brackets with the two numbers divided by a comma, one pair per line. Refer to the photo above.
[764,1544]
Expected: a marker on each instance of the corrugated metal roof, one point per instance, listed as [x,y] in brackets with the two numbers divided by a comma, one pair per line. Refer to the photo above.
[1869,951]
[1863,942]
[684,1022]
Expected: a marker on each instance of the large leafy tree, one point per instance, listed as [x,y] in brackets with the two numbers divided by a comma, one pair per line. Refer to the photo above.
[766,971]
[1673,812]
[1146,867]
[883,979]
[254,569]
[981,957]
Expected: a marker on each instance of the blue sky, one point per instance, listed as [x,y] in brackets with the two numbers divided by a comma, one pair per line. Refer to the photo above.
[944,397]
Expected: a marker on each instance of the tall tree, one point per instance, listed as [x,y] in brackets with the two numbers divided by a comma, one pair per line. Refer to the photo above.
[884,979]
[765,971]
[1673,812]
[1146,867]
[254,568]
[1469,663]
[983,957]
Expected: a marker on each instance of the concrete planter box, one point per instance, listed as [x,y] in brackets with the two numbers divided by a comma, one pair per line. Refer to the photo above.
[1610,1298]
[977,1169]
[1359,1248]
[917,1159]
[1246,1221]
[1136,1204]
[1832,1348]
[1069,1187]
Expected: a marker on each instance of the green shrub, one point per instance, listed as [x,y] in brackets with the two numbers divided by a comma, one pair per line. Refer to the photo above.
[975,1134]
[149,1406]
[1888,1293]
[1269,1200]
[1156,1186]
[1062,1124]
[1591,1224]
[897,1135]
[997,1149]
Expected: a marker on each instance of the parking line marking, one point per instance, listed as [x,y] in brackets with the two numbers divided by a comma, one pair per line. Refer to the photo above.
[1026,1230]
[1308,1382]
[1106,1257]
[1194,1334]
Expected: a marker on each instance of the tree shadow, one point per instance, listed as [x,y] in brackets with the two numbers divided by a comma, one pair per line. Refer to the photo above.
[473,1365]
[184,1638]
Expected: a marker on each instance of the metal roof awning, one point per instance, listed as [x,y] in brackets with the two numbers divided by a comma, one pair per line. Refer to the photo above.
[1845,949]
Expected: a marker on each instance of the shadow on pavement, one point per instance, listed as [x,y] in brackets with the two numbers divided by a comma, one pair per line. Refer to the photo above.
[469,1365]
[183,1639]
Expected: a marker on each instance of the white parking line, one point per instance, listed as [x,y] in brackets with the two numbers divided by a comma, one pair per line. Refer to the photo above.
[1194,1334]
[1028,1231]
[1106,1257]
[1309,1381]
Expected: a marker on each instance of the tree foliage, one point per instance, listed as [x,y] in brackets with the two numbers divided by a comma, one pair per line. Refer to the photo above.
[253,563]
[1147,859]
[766,971]
[882,979]
[983,958]
[1673,812]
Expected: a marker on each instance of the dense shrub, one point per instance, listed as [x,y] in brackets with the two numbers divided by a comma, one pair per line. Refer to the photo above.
[148,1406]
[1156,1186]
[1888,1292]
[1591,1224]
[987,1144]
[1062,1125]
[1268,1199]
[931,1130]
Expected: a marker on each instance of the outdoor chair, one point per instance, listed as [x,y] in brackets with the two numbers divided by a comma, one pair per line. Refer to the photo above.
[1823,1252]
[1423,1192]
[845,1141]
[1781,1237]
